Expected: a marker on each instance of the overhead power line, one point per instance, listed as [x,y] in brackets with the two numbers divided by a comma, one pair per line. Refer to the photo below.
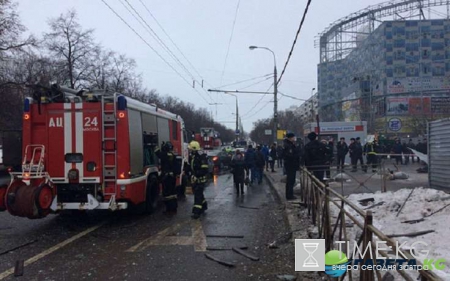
[256,83]
[259,101]
[155,36]
[295,40]
[176,46]
[229,41]
[153,49]
[291,97]
[243,81]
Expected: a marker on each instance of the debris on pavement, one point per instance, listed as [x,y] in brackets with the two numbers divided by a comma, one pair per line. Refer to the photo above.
[245,254]
[366,201]
[406,200]
[375,205]
[413,234]
[212,248]
[224,236]
[341,177]
[226,263]
[287,277]
[248,207]
[18,269]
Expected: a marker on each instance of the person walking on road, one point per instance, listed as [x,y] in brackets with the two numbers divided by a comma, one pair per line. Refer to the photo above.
[291,156]
[199,170]
[358,154]
[279,156]
[329,159]
[273,157]
[265,152]
[342,150]
[316,155]
[250,163]
[260,162]
[413,146]
[238,170]
[397,149]
[168,177]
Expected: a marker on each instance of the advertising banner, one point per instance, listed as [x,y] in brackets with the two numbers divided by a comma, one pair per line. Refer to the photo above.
[397,106]
[417,84]
[440,105]
[419,105]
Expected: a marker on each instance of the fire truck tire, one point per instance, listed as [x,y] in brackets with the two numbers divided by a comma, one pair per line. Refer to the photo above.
[3,197]
[43,199]
[152,194]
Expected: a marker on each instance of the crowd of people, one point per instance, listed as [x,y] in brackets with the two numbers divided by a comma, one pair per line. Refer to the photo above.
[248,166]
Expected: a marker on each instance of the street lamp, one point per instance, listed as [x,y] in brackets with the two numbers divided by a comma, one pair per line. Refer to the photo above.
[275,92]
[237,114]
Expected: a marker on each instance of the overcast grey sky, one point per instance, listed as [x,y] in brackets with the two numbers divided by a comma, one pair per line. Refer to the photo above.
[202,29]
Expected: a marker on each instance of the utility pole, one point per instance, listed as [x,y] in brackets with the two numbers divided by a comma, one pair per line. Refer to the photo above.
[275,103]
[237,120]
[275,92]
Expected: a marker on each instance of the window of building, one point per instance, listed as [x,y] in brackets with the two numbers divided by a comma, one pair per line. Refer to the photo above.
[425,43]
[389,47]
[438,56]
[412,71]
[399,43]
[388,34]
[389,60]
[438,70]
[437,46]
[437,22]
[447,66]
[399,55]
[425,54]
[390,72]
[412,47]
[399,70]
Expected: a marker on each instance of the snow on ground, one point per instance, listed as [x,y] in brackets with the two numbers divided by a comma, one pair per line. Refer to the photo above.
[422,203]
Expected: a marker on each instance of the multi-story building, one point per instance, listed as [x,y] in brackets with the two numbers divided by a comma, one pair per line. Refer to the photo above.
[396,77]
[308,109]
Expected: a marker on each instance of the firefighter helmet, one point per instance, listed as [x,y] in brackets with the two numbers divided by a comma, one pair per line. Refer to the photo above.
[194,145]
[168,146]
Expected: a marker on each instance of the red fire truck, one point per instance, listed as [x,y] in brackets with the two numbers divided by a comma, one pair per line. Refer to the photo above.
[208,138]
[89,150]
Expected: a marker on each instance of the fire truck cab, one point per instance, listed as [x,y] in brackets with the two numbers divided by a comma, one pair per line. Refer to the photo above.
[89,150]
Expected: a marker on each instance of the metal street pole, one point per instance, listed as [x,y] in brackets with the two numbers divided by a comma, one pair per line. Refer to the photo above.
[275,92]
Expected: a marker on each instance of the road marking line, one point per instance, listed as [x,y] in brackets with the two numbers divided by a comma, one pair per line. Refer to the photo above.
[163,238]
[51,250]
[199,236]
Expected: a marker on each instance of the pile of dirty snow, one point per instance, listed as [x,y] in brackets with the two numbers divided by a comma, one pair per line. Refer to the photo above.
[422,203]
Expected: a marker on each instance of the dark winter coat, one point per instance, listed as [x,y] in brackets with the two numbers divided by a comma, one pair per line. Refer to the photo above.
[291,154]
[260,160]
[238,166]
[316,154]
[273,154]
[342,149]
[250,158]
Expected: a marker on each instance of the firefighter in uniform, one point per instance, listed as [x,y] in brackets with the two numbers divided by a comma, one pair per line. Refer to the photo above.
[199,170]
[168,177]
[371,149]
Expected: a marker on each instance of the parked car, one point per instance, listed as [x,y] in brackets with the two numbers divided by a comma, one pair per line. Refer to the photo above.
[220,159]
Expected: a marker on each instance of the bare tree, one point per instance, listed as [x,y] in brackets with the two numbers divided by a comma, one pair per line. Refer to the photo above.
[11,29]
[69,42]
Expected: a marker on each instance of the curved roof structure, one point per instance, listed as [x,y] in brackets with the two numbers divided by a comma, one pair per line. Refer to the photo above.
[343,35]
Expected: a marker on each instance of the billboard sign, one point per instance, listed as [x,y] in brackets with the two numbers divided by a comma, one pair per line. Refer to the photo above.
[417,84]
[397,106]
[440,105]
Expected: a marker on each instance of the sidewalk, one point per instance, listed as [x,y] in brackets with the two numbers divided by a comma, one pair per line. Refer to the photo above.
[296,215]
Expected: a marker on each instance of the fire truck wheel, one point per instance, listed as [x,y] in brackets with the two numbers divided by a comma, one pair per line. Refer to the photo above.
[3,197]
[44,198]
[152,194]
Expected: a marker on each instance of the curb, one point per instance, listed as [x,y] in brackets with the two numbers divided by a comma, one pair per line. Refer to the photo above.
[289,216]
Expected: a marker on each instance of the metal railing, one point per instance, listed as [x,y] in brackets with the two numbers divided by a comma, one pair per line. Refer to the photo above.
[318,198]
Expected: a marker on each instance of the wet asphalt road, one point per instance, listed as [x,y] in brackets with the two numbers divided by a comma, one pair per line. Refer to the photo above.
[119,246]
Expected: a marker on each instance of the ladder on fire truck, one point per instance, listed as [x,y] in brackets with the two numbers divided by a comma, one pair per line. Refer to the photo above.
[109,141]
